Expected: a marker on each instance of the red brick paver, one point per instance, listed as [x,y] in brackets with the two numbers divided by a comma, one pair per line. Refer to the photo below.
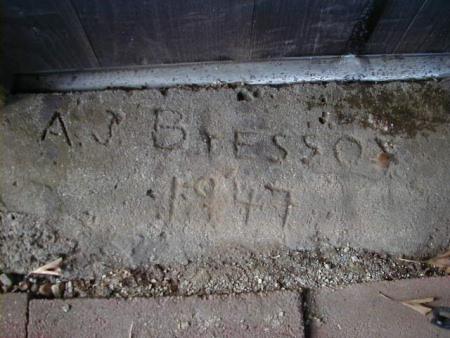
[13,315]
[359,310]
[275,314]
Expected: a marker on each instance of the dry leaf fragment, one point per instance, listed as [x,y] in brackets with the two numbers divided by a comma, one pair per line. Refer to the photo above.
[130,332]
[442,261]
[420,300]
[52,268]
[417,304]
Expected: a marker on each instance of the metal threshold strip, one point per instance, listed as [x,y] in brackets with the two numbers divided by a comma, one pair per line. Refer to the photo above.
[277,72]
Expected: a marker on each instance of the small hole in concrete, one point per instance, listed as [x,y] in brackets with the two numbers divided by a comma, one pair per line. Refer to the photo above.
[150,193]
[240,96]
[322,120]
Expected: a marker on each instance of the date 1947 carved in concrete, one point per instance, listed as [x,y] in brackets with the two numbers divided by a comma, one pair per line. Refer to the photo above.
[250,201]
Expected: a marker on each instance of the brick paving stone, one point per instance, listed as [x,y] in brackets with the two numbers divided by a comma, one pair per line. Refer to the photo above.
[360,311]
[13,315]
[275,314]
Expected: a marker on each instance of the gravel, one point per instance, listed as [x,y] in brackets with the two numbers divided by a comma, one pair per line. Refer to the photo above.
[235,270]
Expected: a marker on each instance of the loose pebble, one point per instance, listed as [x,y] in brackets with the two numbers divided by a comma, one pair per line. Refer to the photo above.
[46,290]
[66,308]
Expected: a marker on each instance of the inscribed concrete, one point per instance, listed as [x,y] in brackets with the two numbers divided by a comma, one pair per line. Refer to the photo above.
[127,178]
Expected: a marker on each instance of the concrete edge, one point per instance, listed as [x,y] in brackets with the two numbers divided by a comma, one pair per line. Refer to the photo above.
[376,68]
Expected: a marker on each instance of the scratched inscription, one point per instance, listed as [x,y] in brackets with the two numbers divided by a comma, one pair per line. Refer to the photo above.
[168,133]
[248,201]
[56,127]
[225,190]
[136,177]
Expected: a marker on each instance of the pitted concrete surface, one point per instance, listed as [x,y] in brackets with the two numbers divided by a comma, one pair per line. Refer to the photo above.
[124,178]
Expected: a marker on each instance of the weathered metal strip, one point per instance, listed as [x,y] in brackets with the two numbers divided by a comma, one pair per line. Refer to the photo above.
[285,71]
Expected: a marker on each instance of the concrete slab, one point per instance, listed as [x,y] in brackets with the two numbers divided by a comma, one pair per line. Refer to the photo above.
[13,315]
[251,315]
[127,178]
[360,311]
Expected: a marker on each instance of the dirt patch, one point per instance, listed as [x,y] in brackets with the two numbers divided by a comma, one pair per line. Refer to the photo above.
[236,270]
[395,110]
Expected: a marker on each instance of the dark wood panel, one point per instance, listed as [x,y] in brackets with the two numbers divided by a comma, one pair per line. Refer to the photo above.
[429,32]
[44,35]
[412,26]
[167,31]
[284,28]
[76,34]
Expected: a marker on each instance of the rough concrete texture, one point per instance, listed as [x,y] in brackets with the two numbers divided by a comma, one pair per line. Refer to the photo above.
[360,311]
[253,315]
[124,178]
[13,315]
